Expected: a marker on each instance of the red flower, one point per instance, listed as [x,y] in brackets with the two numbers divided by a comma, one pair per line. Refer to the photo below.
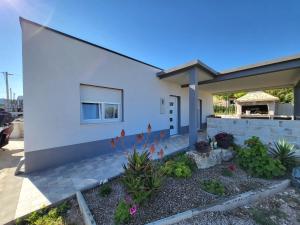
[232,167]
[112,142]
[161,153]
[152,149]
[162,134]
[123,133]
[149,128]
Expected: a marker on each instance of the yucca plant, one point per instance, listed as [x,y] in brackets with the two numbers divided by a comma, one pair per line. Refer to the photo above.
[284,152]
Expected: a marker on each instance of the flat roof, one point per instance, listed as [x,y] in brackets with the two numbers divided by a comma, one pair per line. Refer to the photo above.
[284,63]
[259,64]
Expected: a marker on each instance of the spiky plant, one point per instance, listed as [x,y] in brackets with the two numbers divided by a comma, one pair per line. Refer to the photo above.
[284,152]
[141,178]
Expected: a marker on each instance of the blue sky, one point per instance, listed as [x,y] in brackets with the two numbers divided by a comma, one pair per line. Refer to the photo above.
[223,34]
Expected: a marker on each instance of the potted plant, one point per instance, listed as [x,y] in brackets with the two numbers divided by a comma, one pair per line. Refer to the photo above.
[203,147]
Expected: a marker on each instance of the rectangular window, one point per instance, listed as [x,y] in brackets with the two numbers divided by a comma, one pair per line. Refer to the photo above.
[100,104]
[111,111]
[90,111]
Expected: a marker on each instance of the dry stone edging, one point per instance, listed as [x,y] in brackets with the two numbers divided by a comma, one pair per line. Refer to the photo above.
[231,203]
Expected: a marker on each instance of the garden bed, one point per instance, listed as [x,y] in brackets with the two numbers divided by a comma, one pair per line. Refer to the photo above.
[174,196]
[66,212]
[282,208]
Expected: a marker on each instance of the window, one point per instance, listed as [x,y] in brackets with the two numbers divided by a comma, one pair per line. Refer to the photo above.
[100,104]
[111,111]
[91,111]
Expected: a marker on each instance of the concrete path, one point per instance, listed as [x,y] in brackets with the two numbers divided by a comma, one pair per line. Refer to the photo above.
[22,195]
[10,185]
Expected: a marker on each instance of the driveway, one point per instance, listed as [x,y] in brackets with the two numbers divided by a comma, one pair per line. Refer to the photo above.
[23,194]
[10,185]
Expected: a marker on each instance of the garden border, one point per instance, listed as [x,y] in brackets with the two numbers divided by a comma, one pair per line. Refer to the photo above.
[87,216]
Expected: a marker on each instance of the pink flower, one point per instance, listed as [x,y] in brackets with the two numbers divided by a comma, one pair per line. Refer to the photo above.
[133,210]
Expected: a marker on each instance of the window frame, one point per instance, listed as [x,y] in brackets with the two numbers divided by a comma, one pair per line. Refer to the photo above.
[101,108]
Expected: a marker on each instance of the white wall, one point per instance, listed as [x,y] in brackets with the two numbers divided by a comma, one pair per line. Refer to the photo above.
[54,66]
[269,131]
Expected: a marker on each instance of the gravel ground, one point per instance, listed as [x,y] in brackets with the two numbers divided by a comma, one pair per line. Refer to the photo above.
[175,195]
[280,209]
[73,216]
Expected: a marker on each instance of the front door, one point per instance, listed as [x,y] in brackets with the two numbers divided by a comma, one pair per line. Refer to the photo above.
[173,115]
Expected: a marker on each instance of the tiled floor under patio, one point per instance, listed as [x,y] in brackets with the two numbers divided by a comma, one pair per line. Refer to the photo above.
[46,187]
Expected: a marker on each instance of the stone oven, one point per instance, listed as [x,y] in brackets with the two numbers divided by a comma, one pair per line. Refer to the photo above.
[256,103]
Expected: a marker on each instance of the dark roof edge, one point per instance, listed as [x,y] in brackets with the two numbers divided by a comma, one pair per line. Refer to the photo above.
[187,66]
[261,64]
[255,71]
[84,41]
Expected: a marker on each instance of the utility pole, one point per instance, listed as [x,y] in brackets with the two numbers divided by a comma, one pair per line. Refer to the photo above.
[10,100]
[6,74]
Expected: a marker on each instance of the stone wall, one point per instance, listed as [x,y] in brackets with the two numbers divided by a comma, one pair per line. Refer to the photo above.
[267,130]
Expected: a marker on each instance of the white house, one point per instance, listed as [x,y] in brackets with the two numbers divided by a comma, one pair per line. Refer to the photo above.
[78,95]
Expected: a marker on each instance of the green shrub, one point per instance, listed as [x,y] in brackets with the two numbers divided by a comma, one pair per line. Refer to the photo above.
[254,158]
[34,216]
[122,213]
[141,178]
[180,166]
[43,217]
[187,161]
[105,190]
[285,153]
[213,186]
[176,169]
[230,110]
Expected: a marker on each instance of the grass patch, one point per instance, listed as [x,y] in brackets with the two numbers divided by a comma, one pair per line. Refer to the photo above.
[105,190]
[213,187]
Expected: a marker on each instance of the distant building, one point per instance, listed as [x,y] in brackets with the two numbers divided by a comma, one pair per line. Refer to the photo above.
[19,103]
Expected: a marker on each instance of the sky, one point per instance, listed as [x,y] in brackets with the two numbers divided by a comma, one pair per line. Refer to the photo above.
[165,33]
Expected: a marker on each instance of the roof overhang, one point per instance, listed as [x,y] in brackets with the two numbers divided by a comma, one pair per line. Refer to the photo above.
[277,73]
[179,74]
[262,81]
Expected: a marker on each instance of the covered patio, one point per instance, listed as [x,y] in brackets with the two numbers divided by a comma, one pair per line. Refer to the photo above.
[196,76]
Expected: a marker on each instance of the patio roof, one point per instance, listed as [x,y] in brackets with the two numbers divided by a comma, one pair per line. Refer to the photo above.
[283,72]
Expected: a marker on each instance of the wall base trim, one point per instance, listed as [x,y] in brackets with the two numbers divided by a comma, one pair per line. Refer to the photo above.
[53,157]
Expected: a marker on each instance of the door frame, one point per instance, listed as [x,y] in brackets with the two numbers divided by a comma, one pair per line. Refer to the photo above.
[178,114]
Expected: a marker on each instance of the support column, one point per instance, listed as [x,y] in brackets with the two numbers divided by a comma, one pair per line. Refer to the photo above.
[193,98]
[297,100]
